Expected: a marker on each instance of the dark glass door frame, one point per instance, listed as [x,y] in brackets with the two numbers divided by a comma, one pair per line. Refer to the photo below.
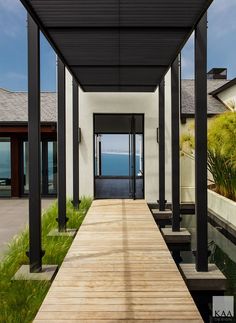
[44,165]
[132,158]
[132,147]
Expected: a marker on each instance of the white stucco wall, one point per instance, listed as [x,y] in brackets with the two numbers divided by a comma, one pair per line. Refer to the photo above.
[69,138]
[90,103]
[228,97]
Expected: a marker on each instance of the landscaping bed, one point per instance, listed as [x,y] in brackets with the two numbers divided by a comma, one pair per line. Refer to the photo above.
[20,300]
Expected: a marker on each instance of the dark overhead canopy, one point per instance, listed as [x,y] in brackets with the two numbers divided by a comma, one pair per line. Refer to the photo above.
[117,45]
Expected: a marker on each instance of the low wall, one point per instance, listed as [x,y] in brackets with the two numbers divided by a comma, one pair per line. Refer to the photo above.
[222,207]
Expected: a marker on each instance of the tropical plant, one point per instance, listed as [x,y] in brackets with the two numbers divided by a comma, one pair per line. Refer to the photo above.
[187,143]
[231,104]
[222,153]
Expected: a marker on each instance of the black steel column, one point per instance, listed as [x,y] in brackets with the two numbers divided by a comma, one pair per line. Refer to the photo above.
[61,147]
[35,244]
[75,144]
[161,140]
[201,144]
[175,114]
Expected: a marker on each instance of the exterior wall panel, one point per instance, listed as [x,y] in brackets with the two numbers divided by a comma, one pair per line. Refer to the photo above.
[91,103]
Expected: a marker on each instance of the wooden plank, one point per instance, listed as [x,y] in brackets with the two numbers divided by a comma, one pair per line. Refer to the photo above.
[69,274]
[117,307]
[118,269]
[115,321]
[116,300]
[112,315]
[67,292]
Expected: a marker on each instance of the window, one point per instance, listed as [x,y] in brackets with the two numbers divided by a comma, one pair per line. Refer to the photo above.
[48,167]
[5,167]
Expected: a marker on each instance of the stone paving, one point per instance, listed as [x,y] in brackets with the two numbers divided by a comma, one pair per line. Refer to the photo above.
[13,218]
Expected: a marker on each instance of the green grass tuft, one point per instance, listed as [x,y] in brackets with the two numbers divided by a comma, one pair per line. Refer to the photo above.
[20,300]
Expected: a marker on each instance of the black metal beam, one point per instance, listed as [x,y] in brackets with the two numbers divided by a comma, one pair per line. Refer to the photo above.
[175,163]
[61,147]
[75,144]
[123,85]
[161,137]
[121,28]
[35,244]
[118,66]
[201,144]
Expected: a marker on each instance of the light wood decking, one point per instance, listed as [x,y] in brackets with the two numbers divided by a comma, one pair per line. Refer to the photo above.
[118,268]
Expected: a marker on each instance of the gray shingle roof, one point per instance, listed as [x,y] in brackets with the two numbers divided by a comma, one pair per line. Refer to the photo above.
[214,106]
[14,106]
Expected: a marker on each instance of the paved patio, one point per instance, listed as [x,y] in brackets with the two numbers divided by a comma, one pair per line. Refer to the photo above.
[13,218]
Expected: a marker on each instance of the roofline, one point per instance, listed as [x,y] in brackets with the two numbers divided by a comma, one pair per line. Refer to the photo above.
[25,123]
[223,87]
[217,68]
[192,115]
[25,92]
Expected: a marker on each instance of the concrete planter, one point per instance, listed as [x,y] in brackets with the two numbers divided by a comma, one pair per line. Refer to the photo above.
[223,208]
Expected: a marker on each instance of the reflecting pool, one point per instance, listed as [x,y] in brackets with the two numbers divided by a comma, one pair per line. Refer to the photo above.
[223,254]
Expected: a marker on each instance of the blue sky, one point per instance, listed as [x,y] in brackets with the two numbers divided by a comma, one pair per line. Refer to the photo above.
[13,46]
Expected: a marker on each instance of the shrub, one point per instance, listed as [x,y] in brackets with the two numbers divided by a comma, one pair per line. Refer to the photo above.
[187,143]
[222,153]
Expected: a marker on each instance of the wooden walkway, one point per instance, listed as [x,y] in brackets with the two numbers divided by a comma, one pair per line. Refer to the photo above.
[118,269]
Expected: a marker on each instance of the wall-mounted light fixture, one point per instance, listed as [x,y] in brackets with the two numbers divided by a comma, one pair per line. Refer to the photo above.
[158,135]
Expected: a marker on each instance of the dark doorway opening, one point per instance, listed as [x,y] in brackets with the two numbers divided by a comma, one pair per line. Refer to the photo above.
[119,156]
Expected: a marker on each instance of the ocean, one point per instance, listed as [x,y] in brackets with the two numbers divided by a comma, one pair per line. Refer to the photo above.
[117,164]
[113,164]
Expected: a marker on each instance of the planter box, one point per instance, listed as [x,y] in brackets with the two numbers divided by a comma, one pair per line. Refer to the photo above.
[219,206]
[223,208]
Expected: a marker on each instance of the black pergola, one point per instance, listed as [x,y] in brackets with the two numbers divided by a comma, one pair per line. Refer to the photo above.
[118,46]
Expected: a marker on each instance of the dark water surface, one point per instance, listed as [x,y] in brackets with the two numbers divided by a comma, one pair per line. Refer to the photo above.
[223,254]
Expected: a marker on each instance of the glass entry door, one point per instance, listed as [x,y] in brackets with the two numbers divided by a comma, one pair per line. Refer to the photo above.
[118,157]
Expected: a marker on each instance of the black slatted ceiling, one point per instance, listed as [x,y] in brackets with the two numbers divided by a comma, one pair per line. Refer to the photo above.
[118,45]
